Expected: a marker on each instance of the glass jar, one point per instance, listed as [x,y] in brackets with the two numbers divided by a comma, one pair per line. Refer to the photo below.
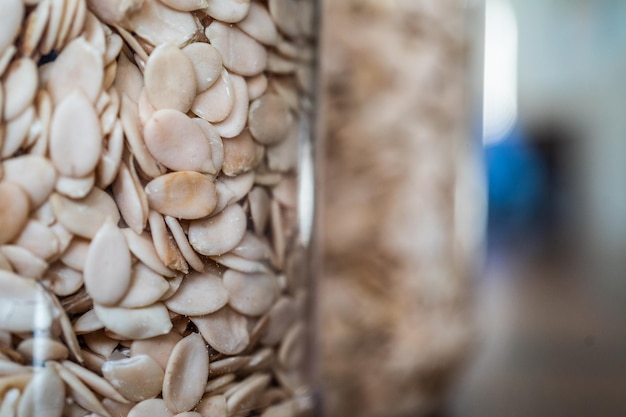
[156,207]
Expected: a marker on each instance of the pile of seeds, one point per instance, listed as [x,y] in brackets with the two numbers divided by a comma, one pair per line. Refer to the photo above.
[148,224]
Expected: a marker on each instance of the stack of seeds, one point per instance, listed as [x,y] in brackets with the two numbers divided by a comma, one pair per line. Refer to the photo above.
[148,223]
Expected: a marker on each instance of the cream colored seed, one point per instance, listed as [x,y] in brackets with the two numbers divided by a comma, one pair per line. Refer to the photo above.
[158,348]
[150,408]
[170,79]
[16,132]
[213,406]
[20,86]
[136,323]
[137,378]
[250,294]
[240,53]
[236,120]
[225,330]
[166,248]
[258,24]
[146,287]
[184,194]
[44,396]
[230,11]
[199,294]
[14,207]
[219,234]
[24,262]
[215,103]
[207,63]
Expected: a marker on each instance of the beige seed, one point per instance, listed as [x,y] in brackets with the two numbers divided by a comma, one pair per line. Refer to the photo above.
[215,103]
[88,323]
[163,133]
[283,156]
[75,138]
[183,244]
[136,323]
[239,185]
[186,374]
[63,235]
[137,378]
[5,265]
[225,331]
[252,247]
[144,107]
[228,365]
[199,294]
[282,315]
[283,13]
[185,194]
[128,79]
[107,267]
[213,406]
[240,53]
[10,22]
[44,396]
[79,20]
[236,121]
[259,208]
[95,382]
[117,409]
[99,343]
[52,29]
[42,349]
[219,234]
[113,11]
[257,86]
[262,360]
[170,79]
[94,34]
[230,11]
[212,135]
[69,15]
[241,264]
[11,368]
[114,46]
[64,280]
[78,66]
[250,294]
[189,414]
[85,217]
[163,243]
[239,154]
[146,287]
[44,111]
[158,348]
[186,5]
[75,255]
[207,63]
[142,247]
[14,382]
[154,407]
[14,207]
[218,384]
[75,188]
[247,395]
[79,391]
[280,65]
[20,85]
[16,132]
[24,262]
[129,199]
[293,347]
[111,157]
[269,119]
[285,409]
[10,402]
[259,24]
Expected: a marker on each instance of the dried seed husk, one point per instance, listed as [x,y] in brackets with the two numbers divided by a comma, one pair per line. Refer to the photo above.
[158,348]
[216,102]
[207,63]
[184,194]
[170,79]
[10,22]
[75,138]
[163,133]
[236,120]
[154,407]
[225,330]
[199,294]
[79,391]
[129,199]
[213,406]
[142,247]
[20,85]
[247,394]
[218,234]
[136,323]
[42,349]
[44,396]
[230,11]
[183,244]
[137,378]
[259,24]
[146,287]
[250,294]
[108,265]
[14,208]
[24,262]
[186,374]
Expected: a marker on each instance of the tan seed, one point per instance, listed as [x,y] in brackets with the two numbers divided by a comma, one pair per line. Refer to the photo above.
[240,53]
[186,5]
[219,234]
[283,156]
[146,287]
[248,393]
[259,208]
[34,174]
[163,243]
[14,207]
[185,194]
[239,154]
[154,407]
[16,131]
[213,406]
[251,294]
[111,157]
[24,262]
[75,255]
[215,103]
[44,396]
[225,331]
[170,79]
[95,382]
[88,323]
[186,374]
[128,79]
[199,294]
[259,24]
[142,247]
[79,391]
[129,199]
[85,217]
[257,86]
[158,348]
[236,120]
[10,22]
[183,244]
[207,63]
[20,85]
[270,119]
[230,11]
[113,12]
[228,365]
[212,135]
[136,323]
[240,264]
[137,378]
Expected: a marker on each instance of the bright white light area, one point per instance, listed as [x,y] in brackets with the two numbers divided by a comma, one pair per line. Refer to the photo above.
[500,71]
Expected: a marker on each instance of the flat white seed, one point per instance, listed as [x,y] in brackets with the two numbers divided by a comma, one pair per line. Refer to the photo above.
[259,24]
[217,384]
[78,66]
[159,24]
[215,103]
[88,323]
[85,217]
[42,349]
[109,117]
[230,11]
[107,267]
[146,287]
[212,135]
[158,348]
[63,279]
[79,20]
[75,255]
[225,330]
[213,406]
[257,86]
[144,107]
[111,157]
[184,194]
[189,414]
[114,46]
[248,393]
[75,138]
[63,235]
[239,154]
[142,247]
[253,247]
[137,378]
[283,156]
[11,368]
[154,407]
[94,34]
[163,134]
[132,128]
[199,294]
[16,132]
[228,365]
[95,382]
[236,120]
[75,188]
[259,208]
[136,323]
[241,264]
[44,396]
[170,79]
[24,262]
[128,79]
[239,185]
[219,234]
[183,244]
[186,5]
[282,315]
[251,294]
[66,24]
[20,85]
[99,343]
[114,11]
[5,265]
[164,244]
[186,374]
[10,22]
[241,53]
[79,391]
[52,29]
[207,63]
[44,112]
[129,200]
[14,208]
[225,196]
[270,119]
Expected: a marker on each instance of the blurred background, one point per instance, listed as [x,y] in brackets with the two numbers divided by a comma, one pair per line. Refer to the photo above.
[474,208]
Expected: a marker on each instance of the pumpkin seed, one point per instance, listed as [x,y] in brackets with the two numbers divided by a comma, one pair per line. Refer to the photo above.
[137,378]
